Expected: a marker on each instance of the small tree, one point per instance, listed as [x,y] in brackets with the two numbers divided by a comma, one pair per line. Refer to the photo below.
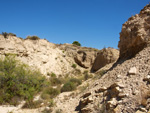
[76,43]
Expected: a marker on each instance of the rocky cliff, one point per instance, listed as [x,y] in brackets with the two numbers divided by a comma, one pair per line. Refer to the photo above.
[135,34]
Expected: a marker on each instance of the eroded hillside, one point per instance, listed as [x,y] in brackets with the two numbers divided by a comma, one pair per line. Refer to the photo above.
[67,68]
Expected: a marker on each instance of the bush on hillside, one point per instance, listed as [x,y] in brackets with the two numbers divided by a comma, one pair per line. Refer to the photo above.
[5,34]
[32,37]
[17,81]
[50,92]
[71,85]
[76,43]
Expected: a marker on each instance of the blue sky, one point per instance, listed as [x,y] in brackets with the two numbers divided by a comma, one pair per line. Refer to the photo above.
[94,23]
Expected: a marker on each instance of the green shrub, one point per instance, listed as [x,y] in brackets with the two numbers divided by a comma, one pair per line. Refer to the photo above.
[55,81]
[75,81]
[53,75]
[87,76]
[74,65]
[76,43]
[33,37]
[49,92]
[71,85]
[17,80]
[51,103]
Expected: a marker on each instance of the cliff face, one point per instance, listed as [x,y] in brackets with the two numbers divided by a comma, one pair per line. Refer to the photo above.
[135,34]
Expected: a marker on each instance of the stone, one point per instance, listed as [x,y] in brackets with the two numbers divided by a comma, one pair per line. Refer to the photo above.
[86,94]
[86,110]
[117,84]
[104,57]
[102,89]
[115,91]
[139,111]
[112,103]
[122,95]
[84,59]
[117,109]
[147,78]
[132,71]
[85,101]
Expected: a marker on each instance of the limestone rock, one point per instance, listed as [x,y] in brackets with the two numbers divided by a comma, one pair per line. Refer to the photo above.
[102,89]
[112,103]
[132,71]
[117,109]
[86,110]
[86,94]
[140,111]
[105,56]
[135,34]
[84,59]
[86,101]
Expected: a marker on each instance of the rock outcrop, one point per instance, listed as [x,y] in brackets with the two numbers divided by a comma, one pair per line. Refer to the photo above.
[135,34]
[104,57]
[126,87]
[83,56]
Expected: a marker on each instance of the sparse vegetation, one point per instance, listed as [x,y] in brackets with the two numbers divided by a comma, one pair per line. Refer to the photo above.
[50,92]
[17,81]
[76,43]
[83,88]
[87,75]
[32,37]
[32,104]
[53,74]
[74,65]
[100,74]
[55,81]
[5,34]
[71,85]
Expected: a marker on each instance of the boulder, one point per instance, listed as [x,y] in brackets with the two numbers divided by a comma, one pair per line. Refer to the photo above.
[132,71]
[85,59]
[104,57]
